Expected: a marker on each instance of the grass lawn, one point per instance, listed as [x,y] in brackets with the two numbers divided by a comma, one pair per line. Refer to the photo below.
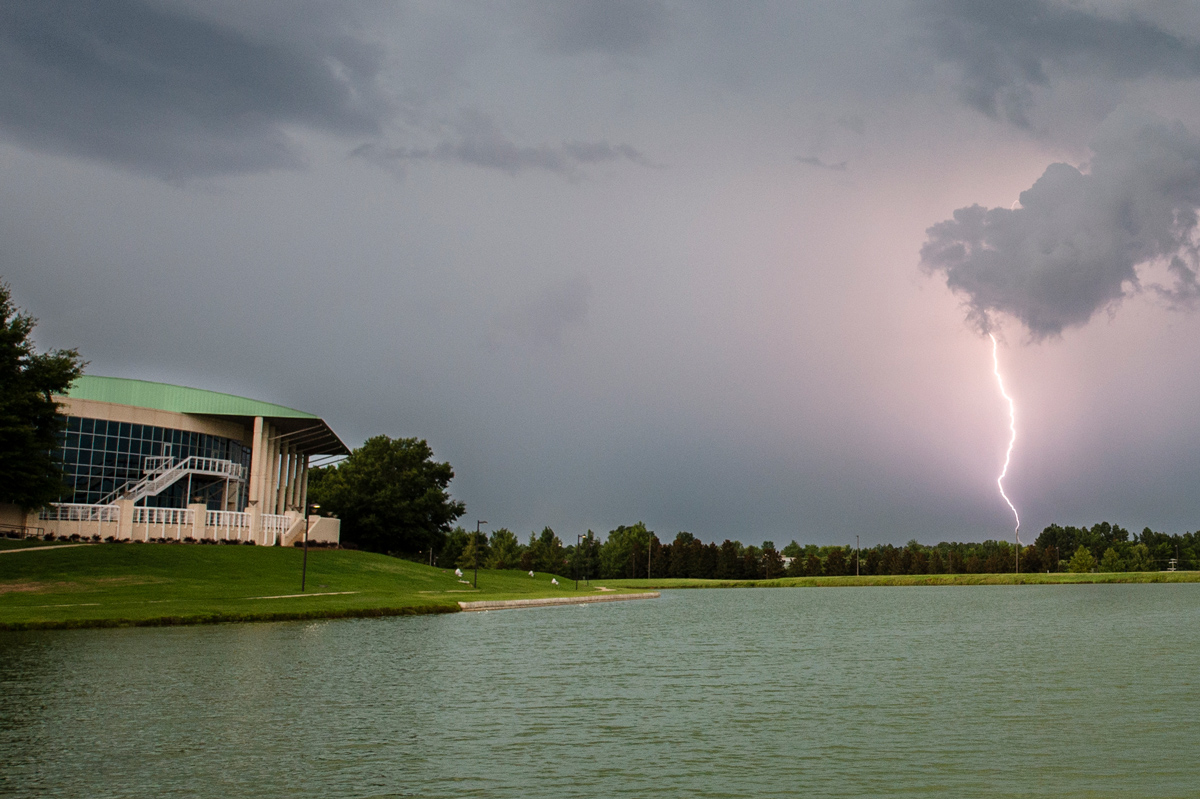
[136,584]
[1056,578]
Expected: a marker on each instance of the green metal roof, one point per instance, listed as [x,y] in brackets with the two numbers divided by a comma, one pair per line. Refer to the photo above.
[309,433]
[180,399]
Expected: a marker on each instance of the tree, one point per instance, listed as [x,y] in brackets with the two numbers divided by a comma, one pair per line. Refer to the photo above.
[772,562]
[623,554]
[1082,561]
[452,547]
[30,472]
[936,566]
[1111,561]
[583,557]
[390,495]
[729,561]
[835,562]
[505,550]
[1139,559]
[545,553]
[476,552]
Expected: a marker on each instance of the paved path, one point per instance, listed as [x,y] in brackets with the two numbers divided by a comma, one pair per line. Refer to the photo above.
[39,549]
[504,604]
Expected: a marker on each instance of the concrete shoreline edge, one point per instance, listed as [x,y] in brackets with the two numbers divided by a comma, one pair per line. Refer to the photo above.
[512,604]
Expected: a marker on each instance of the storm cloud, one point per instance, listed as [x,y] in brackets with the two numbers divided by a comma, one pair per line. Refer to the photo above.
[1007,50]
[1076,244]
[155,89]
[617,27]
[476,140]
[650,259]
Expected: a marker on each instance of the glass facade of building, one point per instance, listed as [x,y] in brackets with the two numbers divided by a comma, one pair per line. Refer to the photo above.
[100,456]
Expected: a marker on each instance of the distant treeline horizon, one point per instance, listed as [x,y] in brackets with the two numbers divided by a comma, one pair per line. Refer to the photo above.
[634,552]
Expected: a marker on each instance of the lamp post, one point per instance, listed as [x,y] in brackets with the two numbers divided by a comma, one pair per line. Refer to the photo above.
[304,569]
[578,544]
[477,523]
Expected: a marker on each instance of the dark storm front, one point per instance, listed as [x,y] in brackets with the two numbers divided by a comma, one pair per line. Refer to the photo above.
[1044,691]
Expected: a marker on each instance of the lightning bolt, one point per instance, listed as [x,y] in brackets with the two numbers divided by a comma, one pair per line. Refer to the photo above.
[1012,429]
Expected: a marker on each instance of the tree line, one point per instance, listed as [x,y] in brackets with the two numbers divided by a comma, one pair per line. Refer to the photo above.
[636,552]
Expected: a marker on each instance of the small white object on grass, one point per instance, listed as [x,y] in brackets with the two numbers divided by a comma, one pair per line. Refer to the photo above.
[553,581]
[531,574]
[458,572]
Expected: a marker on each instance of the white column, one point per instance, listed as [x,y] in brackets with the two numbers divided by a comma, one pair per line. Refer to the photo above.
[258,468]
[285,476]
[272,473]
[304,485]
[289,496]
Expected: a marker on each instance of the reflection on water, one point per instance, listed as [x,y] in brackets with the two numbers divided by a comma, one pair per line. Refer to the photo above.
[1055,691]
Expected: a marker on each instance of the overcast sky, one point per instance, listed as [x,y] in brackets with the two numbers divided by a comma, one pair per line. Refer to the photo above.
[721,267]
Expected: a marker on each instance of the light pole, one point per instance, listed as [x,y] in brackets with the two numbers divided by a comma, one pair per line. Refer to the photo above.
[856,555]
[304,569]
[578,556]
[477,523]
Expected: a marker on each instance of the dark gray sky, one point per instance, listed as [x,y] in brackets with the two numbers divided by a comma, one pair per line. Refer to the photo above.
[723,268]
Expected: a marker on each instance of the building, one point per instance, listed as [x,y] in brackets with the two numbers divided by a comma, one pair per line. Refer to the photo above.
[147,461]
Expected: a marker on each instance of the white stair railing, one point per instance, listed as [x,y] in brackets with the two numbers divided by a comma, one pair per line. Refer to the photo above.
[163,472]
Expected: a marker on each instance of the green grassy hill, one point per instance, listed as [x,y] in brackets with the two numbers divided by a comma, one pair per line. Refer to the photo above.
[141,584]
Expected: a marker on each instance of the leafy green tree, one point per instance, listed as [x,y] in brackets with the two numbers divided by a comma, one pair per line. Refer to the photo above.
[623,553]
[1111,561]
[936,565]
[452,547]
[30,472]
[505,550]
[545,553]
[476,553]
[1082,561]
[584,557]
[792,550]
[390,495]
[1139,559]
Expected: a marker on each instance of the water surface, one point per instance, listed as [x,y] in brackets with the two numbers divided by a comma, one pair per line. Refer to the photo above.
[996,691]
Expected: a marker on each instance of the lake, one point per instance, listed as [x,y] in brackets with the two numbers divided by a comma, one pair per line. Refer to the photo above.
[979,691]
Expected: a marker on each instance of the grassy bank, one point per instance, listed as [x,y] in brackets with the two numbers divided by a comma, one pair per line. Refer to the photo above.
[1056,578]
[109,585]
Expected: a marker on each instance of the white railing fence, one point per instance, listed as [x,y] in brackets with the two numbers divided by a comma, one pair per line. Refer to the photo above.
[162,522]
[78,512]
[273,526]
[156,523]
[226,524]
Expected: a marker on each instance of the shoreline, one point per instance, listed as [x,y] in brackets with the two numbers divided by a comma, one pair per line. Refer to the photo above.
[513,604]
[227,618]
[907,580]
